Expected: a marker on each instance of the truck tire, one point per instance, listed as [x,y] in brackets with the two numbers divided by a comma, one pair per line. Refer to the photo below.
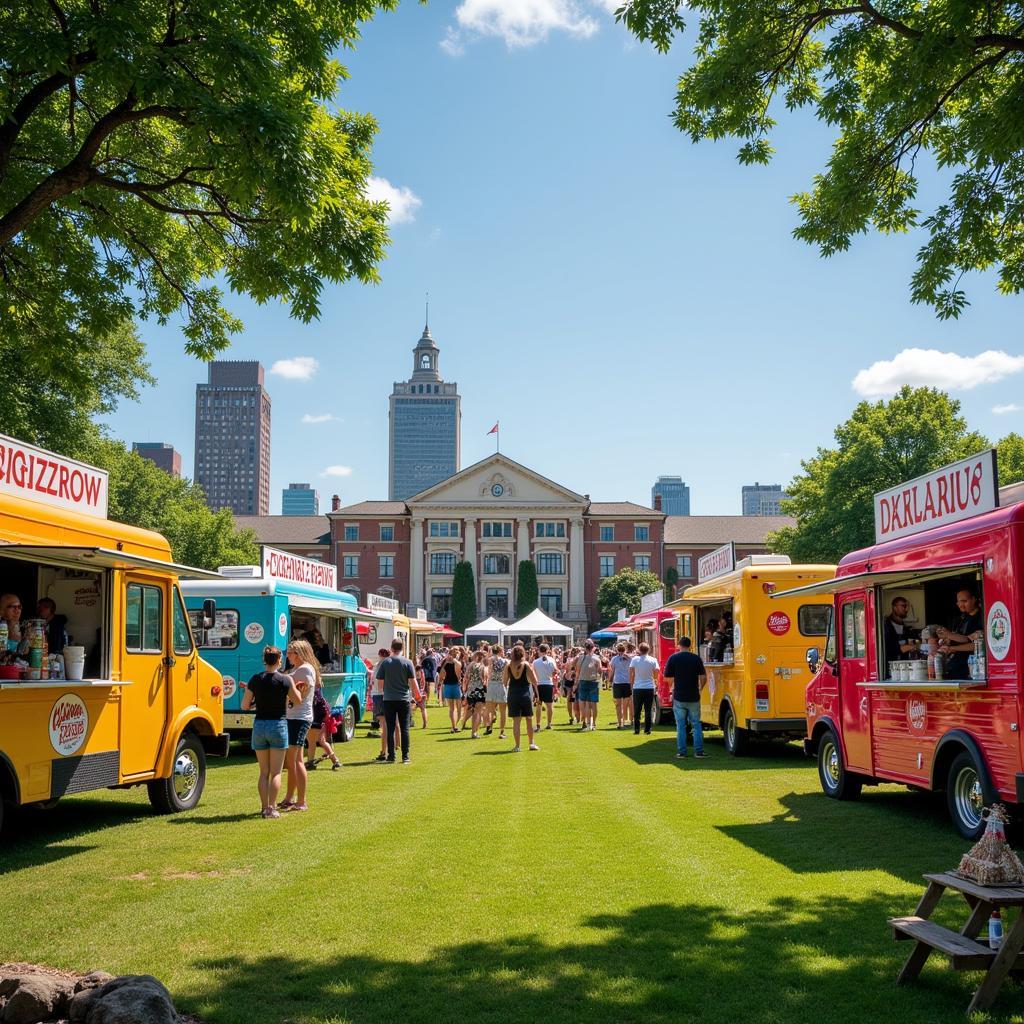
[181,792]
[347,727]
[836,781]
[657,715]
[736,739]
[965,795]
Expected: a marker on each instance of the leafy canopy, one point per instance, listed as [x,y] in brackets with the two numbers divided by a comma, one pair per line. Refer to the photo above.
[624,590]
[151,148]
[463,597]
[527,591]
[905,84]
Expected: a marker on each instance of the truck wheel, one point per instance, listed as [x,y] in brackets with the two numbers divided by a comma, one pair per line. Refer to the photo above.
[736,739]
[965,795]
[836,781]
[657,715]
[181,792]
[347,731]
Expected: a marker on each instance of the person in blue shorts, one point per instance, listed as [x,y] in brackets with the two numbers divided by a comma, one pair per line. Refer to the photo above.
[588,686]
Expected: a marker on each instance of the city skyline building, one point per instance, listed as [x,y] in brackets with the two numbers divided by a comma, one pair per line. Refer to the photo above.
[424,425]
[232,453]
[763,499]
[162,455]
[674,494]
[300,500]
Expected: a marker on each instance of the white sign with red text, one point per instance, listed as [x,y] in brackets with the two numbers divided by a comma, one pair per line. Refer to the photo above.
[717,562]
[964,489]
[69,724]
[283,565]
[39,475]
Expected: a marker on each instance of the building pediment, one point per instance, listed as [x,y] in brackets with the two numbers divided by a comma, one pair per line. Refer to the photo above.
[498,481]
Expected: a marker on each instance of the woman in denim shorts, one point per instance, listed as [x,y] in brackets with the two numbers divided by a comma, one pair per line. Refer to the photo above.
[299,717]
[269,691]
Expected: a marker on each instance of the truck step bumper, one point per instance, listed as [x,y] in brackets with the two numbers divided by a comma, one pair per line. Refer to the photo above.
[216,746]
[797,725]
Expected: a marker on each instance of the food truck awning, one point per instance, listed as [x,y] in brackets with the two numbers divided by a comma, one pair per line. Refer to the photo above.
[100,558]
[706,599]
[318,606]
[885,578]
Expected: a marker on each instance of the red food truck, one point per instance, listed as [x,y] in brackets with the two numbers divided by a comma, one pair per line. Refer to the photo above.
[949,558]
[657,628]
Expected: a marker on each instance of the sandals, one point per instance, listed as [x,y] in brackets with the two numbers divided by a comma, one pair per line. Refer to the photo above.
[298,807]
[285,805]
[271,812]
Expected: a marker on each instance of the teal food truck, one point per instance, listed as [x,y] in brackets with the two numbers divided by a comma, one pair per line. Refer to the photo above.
[285,597]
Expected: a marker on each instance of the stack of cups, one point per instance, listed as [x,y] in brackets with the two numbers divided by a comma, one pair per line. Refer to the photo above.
[74,662]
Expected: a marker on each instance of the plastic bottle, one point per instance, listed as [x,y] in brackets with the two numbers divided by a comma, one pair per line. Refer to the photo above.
[4,635]
[995,930]
[727,657]
[980,670]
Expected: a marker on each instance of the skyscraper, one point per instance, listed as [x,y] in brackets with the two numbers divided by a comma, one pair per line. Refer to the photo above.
[161,455]
[675,495]
[233,438]
[763,499]
[300,500]
[425,425]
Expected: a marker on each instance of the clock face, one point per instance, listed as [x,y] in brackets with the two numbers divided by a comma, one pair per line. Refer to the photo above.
[497,490]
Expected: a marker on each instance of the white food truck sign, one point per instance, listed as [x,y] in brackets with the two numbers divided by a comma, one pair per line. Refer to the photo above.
[283,565]
[379,603]
[959,491]
[39,475]
[717,562]
[653,600]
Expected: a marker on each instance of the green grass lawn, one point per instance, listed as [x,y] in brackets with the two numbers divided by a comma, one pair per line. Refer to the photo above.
[598,880]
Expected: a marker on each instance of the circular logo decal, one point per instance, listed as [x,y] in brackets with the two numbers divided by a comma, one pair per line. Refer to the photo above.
[917,713]
[254,632]
[69,723]
[778,623]
[227,684]
[998,630]
[282,624]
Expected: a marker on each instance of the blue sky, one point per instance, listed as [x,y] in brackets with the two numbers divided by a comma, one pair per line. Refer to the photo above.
[626,303]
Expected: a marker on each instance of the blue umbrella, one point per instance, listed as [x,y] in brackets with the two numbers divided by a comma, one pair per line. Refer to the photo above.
[603,634]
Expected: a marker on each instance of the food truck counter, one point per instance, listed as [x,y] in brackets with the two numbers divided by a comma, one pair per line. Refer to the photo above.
[61,684]
[927,684]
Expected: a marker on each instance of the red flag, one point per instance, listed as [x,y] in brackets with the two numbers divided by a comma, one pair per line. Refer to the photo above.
[493,429]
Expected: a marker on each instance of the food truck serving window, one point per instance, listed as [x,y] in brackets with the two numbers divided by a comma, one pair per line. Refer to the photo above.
[143,619]
[813,619]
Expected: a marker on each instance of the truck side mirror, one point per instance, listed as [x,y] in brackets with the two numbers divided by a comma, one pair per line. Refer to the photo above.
[209,612]
[813,657]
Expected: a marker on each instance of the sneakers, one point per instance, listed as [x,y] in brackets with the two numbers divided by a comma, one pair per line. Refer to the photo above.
[516,750]
[405,760]
[681,756]
[700,754]
[533,746]
[335,766]
[389,760]
[381,757]
[546,727]
[501,735]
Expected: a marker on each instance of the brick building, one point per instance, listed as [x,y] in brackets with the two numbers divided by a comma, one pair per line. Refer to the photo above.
[309,536]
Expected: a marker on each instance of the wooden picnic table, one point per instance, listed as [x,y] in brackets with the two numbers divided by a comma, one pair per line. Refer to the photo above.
[962,948]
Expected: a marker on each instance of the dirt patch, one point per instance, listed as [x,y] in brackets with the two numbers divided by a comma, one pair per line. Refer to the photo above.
[188,876]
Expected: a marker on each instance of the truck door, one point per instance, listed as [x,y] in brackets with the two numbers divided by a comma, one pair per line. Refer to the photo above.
[854,700]
[183,660]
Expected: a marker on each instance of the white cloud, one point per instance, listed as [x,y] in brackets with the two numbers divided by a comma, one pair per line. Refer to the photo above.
[324,417]
[299,368]
[522,22]
[337,471]
[402,201]
[1002,410]
[928,367]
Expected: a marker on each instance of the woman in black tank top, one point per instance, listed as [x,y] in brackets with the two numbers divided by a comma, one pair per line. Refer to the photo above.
[522,692]
[451,687]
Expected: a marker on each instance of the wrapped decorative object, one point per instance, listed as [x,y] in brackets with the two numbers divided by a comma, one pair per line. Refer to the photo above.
[991,861]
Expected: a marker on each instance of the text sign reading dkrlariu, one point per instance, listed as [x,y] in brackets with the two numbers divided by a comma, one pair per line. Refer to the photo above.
[717,562]
[30,472]
[958,491]
[282,565]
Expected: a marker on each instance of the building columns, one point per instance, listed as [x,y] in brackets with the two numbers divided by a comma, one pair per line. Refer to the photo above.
[416,595]
[576,569]
[469,553]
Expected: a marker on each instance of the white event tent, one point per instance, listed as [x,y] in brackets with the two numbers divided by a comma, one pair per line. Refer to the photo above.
[489,627]
[535,624]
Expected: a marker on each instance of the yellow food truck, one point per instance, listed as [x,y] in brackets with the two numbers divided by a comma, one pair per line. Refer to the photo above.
[100,682]
[757,665]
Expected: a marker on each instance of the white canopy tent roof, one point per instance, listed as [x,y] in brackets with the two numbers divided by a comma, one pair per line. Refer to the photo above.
[536,624]
[489,627]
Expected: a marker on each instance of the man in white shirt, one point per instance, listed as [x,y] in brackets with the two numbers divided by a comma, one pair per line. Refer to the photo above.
[547,673]
[643,678]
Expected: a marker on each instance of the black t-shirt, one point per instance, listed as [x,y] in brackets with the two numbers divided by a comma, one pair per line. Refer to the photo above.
[894,637]
[965,625]
[270,690]
[685,669]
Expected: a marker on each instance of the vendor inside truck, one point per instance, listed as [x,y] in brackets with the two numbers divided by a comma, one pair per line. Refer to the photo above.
[957,642]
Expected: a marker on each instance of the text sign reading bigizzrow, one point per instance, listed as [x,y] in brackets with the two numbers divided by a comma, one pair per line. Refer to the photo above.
[39,475]
[959,491]
[282,565]
[717,562]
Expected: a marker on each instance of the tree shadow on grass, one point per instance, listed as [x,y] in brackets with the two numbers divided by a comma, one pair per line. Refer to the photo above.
[660,748]
[792,961]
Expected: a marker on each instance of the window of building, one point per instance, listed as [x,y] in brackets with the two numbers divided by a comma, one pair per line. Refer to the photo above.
[143,619]
[496,565]
[497,529]
[642,563]
[551,602]
[641,532]
[608,533]
[549,563]
[443,528]
[684,566]
[607,563]
[440,603]
[549,529]
[387,533]
[351,531]
[350,566]
[386,566]
[442,563]
[496,602]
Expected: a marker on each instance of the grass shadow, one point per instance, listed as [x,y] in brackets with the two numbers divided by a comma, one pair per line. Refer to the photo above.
[661,749]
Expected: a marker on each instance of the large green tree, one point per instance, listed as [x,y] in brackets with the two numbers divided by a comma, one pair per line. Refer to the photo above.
[882,444]
[155,151]
[907,86]
[624,590]
[463,597]
[1010,459]
[527,591]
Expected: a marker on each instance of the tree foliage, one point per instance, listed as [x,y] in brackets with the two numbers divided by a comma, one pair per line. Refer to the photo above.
[882,444]
[1010,459]
[624,590]
[937,84]
[150,148]
[143,495]
[527,591]
[463,597]
[671,581]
